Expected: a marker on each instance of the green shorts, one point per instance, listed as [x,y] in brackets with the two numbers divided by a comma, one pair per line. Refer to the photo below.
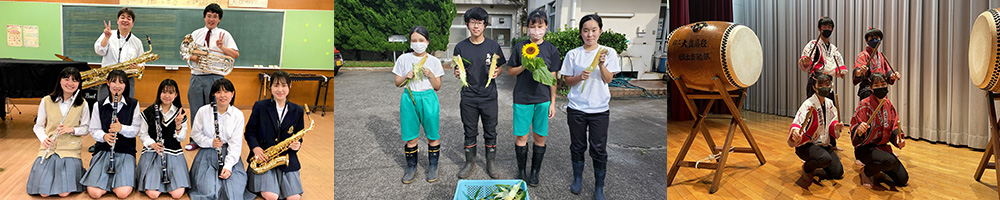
[425,111]
[531,118]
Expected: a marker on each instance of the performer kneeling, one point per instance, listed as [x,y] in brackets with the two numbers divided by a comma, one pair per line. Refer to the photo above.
[818,117]
[63,117]
[114,123]
[162,167]
[874,126]
[273,121]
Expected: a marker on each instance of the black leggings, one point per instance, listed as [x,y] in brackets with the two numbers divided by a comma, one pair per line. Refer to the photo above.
[817,157]
[876,161]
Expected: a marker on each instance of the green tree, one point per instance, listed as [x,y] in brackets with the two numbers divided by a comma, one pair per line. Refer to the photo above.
[367,24]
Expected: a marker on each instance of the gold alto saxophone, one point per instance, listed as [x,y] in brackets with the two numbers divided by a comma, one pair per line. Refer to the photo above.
[271,153]
[209,62]
[96,77]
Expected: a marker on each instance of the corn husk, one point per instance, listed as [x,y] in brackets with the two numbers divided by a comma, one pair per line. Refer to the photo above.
[460,66]
[493,67]
[593,65]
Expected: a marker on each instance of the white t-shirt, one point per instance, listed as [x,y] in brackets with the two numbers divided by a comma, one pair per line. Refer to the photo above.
[404,64]
[595,97]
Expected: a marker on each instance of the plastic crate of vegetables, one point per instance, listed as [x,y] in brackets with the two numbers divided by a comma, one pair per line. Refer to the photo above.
[514,189]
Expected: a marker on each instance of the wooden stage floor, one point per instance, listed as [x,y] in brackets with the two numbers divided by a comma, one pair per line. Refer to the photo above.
[18,148]
[937,171]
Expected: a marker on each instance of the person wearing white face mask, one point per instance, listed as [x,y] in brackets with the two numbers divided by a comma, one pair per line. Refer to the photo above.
[533,100]
[419,72]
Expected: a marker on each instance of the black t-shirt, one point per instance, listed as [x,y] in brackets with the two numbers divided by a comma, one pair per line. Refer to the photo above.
[480,56]
[527,90]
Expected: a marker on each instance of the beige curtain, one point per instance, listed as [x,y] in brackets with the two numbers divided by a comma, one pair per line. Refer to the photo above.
[926,41]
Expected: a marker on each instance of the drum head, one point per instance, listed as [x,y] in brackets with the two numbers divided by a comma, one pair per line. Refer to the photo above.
[745,54]
[982,54]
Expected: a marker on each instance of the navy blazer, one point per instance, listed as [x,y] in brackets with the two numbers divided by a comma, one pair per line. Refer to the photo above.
[264,131]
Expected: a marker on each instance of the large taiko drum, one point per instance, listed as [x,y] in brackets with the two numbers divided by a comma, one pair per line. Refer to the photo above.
[984,51]
[699,52]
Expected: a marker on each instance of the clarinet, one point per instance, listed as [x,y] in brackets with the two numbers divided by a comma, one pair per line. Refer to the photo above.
[114,118]
[215,110]
[159,136]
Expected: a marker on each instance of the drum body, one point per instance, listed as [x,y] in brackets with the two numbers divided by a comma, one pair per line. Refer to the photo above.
[984,51]
[699,52]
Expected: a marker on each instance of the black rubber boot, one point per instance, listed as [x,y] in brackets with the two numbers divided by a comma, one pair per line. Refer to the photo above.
[522,161]
[411,164]
[538,153]
[491,155]
[600,170]
[577,177]
[432,162]
[470,163]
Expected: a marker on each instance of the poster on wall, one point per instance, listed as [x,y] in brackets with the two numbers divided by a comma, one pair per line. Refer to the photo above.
[30,35]
[248,3]
[14,35]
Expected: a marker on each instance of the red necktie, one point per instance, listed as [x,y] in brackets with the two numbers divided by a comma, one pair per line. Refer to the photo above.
[207,35]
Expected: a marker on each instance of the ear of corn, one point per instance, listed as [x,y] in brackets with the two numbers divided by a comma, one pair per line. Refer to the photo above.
[593,65]
[418,69]
[493,67]
[460,66]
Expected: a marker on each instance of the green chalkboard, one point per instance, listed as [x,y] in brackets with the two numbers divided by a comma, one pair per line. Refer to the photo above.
[258,33]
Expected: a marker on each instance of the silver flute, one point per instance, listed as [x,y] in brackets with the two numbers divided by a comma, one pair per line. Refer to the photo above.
[53,136]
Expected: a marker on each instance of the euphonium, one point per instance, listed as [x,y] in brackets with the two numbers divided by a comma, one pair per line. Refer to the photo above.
[271,153]
[208,61]
[96,77]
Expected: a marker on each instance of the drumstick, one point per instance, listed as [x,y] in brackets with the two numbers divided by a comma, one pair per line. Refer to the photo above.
[874,112]
[805,123]
[814,49]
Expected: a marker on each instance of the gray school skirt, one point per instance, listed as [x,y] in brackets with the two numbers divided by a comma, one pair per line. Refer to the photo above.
[205,180]
[150,172]
[56,175]
[98,177]
[284,184]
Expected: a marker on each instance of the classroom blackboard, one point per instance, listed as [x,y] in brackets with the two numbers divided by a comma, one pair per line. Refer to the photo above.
[258,33]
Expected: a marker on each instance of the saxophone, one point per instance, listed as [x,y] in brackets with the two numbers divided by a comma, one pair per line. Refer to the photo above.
[96,77]
[271,153]
[208,61]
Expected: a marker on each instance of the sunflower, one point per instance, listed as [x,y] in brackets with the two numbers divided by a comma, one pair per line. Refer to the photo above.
[530,50]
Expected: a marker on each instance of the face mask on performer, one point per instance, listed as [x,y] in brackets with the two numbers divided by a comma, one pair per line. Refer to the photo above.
[879,87]
[873,42]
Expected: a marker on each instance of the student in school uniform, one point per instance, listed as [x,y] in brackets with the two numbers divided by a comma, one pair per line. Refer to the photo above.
[420,73]
[209,180]
[63,117]
[588,112]
[114,123]
[218,41]
[273,121]
[163,142]
[119,46]
[479,101]
[534,102]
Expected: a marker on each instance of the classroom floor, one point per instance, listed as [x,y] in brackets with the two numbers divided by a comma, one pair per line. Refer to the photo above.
[937,171]
[19,145]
